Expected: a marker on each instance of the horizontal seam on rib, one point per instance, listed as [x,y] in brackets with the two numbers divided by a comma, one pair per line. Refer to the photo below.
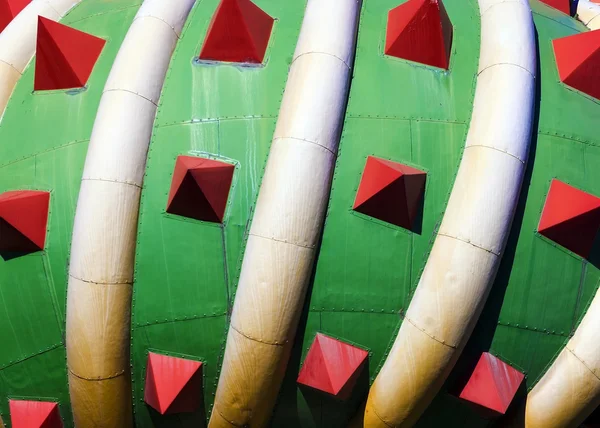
[306,141]
[282,241]
[100,283]
[253,339]
[321,53]
[11,66]
[225,419]
[582,362]
[130,92]
[498,150]
[158,19]
[441,342]
[380,418]
[506,63]
[468,242]
[96,379]
[113,181]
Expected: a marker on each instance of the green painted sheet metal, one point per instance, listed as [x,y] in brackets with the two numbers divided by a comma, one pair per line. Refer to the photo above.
[43,145]
[391,87]
[187,337]
[542,290]
[43,378]
[187,270]
[367,270]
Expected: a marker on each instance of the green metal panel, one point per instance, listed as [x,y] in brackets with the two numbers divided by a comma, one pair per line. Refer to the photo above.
[187,270]
[187,337]
[367,269]
[391,87]
[38,378]
[29,321]
[542,290]
[44,139]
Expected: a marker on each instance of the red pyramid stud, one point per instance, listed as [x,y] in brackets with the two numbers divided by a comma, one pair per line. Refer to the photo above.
[239,32]
[390,191]
[9,9]
[562,5]
[65,57]
[173,385]
[332,366]
[34,414]
[578,61]
[420,31]
[200,188]
[493,384]
[570,218]
[23,220]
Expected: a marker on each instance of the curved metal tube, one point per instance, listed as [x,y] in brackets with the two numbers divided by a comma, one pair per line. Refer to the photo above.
[18,42]
[589,14]
[570,390]
[289,216]
[468,248]
[104,233]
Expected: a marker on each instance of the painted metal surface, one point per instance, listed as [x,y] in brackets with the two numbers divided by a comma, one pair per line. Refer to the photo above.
[105,226]
[588,12]
[18,40]
[358,300]
[47,152]
[182,297]
[569,391]
[467,250]
[289,215]
[186,270]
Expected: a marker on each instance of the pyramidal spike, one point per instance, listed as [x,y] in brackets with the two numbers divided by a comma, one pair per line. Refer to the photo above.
[571,218]
[65,57]
[420,31]
[200,188]
[173,385]
[563,6]
[9,9]
[578,61]
[23,220]
[332,366]
[239,32]
[493,384]
[390,191]
[34,414]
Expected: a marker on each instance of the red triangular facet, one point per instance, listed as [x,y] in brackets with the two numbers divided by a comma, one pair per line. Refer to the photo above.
[23,220]
[65,57]
[571,218]
[578,61]
[493,384]
[420,31]
[239,32]
[173,385]
[34,414]
[314,370]
[332,366]
[200,188]
[390,191]
[9,9]
[562,5]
